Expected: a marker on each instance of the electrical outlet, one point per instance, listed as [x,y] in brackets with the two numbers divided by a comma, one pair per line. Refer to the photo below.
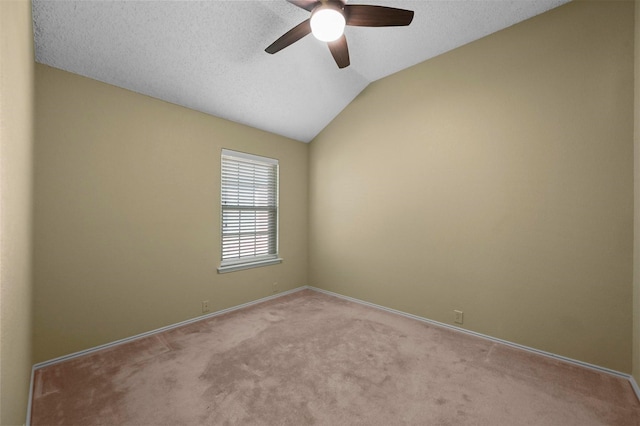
[457,317]
[275,288]
[205,306]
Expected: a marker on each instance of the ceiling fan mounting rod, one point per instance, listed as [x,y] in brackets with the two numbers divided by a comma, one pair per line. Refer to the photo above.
[329,4]
[338,3]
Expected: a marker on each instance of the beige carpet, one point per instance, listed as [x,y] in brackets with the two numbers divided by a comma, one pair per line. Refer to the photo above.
[309,358]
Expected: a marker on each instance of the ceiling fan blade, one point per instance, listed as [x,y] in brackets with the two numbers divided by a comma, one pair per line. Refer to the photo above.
[290,37]
[340,51]
[305,4]
[361,15]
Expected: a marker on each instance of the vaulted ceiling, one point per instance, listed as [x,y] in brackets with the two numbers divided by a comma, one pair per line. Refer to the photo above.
[209,55]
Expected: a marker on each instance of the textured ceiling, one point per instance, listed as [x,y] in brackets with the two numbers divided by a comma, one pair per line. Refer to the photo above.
[209,55]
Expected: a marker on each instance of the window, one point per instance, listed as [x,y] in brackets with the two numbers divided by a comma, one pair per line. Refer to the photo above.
[249,197]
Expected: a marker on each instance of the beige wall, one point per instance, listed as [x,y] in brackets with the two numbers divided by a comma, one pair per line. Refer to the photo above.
[16,112]
[636,251]
[496,179]
[127,213]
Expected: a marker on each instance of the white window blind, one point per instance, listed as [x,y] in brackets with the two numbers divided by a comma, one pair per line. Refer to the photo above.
[249,195]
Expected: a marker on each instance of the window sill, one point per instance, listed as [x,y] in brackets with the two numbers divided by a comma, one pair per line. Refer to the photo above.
[223,269]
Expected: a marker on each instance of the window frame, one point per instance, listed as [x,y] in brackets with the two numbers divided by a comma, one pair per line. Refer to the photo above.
[254,261]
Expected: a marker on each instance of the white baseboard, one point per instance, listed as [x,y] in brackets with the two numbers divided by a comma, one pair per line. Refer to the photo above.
[140,336]
[628,377]
[28,418]
[161,329]
[39,365]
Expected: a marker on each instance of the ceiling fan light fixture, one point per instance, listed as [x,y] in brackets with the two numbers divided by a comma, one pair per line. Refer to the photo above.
[327,23]
[328,19]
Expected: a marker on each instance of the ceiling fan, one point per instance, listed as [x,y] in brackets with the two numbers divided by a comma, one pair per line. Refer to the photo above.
[328,19]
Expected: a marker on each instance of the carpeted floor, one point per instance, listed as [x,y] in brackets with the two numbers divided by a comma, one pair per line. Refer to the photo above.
[309,358]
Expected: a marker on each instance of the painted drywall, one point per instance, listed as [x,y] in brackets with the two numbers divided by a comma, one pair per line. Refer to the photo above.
[636,232]
[16,142]
[127,214]
[496,179]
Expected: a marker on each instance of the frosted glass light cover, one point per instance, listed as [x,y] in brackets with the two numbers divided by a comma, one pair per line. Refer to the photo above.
[327,24]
